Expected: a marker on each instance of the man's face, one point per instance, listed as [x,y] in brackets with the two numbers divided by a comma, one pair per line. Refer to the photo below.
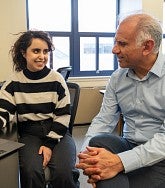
[129,55]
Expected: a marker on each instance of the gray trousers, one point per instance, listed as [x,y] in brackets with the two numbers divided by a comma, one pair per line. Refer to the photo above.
[148,177]
[62,163]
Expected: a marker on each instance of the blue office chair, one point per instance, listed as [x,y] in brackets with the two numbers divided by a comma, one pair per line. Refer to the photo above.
[65,71]
[74,90]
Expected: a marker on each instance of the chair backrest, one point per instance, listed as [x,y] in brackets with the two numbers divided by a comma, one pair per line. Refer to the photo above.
[65,71]
[74,90]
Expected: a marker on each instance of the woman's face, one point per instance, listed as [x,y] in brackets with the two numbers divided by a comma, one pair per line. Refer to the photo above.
[36,55]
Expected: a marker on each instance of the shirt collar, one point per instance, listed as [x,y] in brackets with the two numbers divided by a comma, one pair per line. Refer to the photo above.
[158,67]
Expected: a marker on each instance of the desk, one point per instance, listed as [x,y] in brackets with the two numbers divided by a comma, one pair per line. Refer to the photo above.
[9,164]
[9,171]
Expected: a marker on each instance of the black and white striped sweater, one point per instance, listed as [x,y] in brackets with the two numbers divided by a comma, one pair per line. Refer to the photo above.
[36,96]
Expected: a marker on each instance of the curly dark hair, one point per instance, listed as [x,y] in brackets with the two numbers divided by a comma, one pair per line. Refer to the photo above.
[21,45]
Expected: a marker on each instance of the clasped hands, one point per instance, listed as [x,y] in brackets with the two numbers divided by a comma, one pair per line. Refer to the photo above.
[99,164]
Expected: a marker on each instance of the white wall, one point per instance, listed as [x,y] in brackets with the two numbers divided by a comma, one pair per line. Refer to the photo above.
[154,7]
[13,20]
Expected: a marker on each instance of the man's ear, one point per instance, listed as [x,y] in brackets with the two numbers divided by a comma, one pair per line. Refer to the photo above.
[148,46]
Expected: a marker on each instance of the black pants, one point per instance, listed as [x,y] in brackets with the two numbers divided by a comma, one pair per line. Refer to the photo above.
[62,163]
[148,177]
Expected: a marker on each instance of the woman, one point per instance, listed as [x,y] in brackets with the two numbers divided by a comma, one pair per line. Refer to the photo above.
[41,99]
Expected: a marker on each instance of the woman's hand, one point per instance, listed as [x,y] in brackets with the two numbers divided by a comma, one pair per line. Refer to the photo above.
[47,153]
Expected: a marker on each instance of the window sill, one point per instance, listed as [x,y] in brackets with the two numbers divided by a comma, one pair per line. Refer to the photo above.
[90,81]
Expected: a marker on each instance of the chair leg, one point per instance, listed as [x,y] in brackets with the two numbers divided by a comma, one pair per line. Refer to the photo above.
[48,185]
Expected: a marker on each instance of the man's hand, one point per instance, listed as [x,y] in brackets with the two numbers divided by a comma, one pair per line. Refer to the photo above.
[99,164]
[47,153]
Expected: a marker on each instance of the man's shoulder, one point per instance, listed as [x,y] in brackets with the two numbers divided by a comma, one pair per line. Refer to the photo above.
[120,72]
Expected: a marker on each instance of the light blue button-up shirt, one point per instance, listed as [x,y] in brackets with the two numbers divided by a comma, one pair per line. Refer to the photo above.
[142,103]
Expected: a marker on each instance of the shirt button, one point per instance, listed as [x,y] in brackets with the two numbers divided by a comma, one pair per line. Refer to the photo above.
[138,101]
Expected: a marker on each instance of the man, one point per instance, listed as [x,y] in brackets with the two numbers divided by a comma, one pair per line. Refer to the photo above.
[137,90]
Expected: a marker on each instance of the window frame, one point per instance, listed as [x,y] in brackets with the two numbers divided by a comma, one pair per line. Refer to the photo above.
[74,38]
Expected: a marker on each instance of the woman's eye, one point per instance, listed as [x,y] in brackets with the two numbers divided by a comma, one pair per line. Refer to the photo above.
[36,51]
[46,51]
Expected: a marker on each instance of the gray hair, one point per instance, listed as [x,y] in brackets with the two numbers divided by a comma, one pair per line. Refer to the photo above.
[147,27]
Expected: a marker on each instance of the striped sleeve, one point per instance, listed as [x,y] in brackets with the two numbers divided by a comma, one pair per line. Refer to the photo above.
[7,105]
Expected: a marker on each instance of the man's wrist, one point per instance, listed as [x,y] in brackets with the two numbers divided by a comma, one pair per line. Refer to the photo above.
[120,165]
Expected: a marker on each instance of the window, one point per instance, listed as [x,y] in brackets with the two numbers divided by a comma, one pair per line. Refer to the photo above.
[82,32]
[50,15]
[94,16]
